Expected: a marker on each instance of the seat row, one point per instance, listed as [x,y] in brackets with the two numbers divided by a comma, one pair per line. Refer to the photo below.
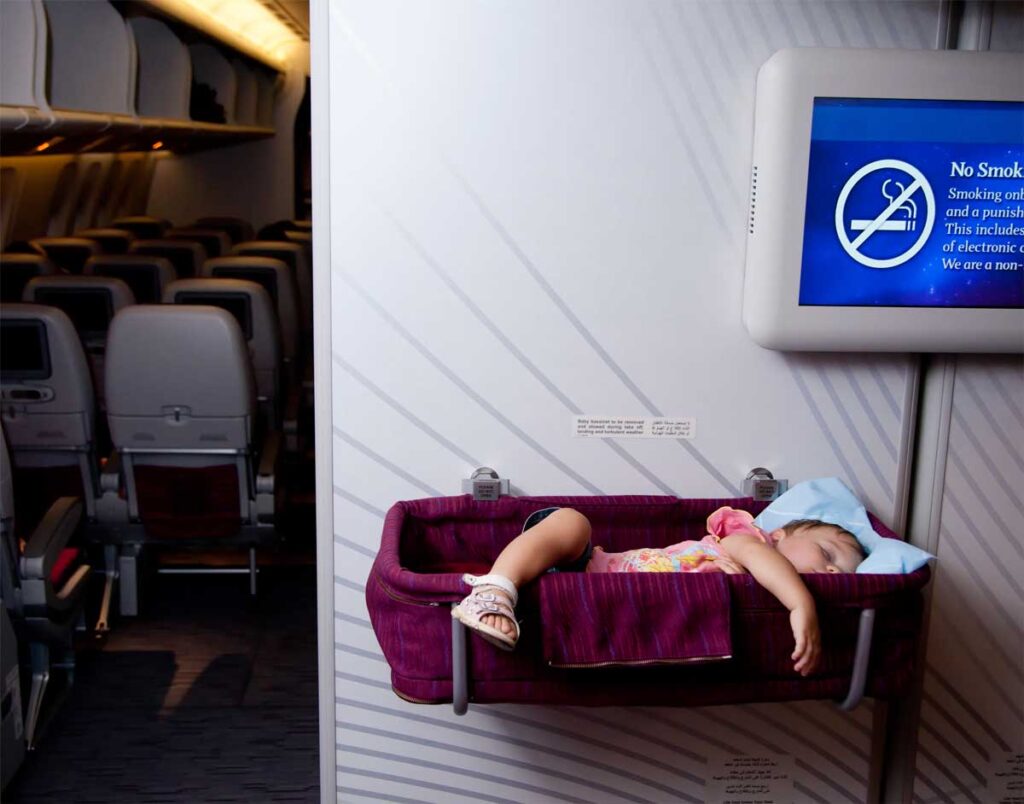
[259,291]
[177,259]
[189,460]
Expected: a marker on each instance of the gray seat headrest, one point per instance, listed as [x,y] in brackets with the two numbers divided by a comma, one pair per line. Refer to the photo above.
[17,269]
[214,241]
[277,278]
[120,294]
[186,256]
[178,377]
[47,391]
[145,274]
[112,241]
[247,301]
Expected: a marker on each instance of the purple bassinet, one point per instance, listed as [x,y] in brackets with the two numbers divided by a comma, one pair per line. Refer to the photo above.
[622,639]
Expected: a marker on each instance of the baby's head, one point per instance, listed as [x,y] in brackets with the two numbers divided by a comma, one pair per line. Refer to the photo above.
[811,545]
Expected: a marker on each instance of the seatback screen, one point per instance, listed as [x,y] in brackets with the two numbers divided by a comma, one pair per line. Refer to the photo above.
[90,310]
[262,276]
[24,354]
[914,203]
[235,303]
[143,280]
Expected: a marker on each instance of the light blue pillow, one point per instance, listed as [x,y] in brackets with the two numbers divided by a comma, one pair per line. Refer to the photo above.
[829,500]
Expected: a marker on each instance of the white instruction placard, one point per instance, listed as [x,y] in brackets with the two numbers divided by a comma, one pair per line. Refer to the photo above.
[634,427]
[750,779]
[1006,778]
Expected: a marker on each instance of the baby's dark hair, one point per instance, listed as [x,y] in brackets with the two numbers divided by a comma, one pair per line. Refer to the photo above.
[799,524]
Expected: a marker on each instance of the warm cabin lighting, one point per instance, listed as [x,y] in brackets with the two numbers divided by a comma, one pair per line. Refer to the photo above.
[246,24]
[44,146]
[158,145]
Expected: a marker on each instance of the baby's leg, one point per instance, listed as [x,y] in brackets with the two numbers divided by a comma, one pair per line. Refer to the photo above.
[557,539]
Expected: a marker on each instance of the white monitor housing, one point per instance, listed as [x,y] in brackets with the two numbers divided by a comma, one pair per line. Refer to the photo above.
[887,202]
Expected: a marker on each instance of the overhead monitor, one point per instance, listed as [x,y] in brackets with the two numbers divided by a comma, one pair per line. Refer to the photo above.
[887,202]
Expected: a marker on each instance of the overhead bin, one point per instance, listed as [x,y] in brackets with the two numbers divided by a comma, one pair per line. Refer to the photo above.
[164,70]
[92,58]
[117,84]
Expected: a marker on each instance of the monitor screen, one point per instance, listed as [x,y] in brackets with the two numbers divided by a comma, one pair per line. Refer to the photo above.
[914,203]
[183,258]
[24,353]
[266,277]
[89,309]
[13,278]
[144,280]
[235,303]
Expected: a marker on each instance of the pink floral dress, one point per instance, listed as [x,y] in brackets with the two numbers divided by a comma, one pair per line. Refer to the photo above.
[706,555]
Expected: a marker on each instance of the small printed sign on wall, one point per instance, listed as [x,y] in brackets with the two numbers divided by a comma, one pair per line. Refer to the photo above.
[634,427]
[750,779]
[1006,778]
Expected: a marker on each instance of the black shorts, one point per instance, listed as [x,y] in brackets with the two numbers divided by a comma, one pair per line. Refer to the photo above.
[577,564]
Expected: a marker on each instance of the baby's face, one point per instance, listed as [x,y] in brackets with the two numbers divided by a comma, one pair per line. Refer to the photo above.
[821,548]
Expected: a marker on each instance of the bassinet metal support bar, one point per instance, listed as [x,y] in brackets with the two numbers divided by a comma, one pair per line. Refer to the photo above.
[860,662]
[460,669]
[858,678]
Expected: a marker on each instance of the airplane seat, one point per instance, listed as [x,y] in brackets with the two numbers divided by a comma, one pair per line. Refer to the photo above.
[24,247]
[48,409]
[91,303]
[215,242]
[293,255]
[238,229]
[302,225]
[112,241]
[146,275]
[279,282]
[68,253]
[42,587]
[253,308]
[181,406]
[17,269]
[186,256]
[144,227]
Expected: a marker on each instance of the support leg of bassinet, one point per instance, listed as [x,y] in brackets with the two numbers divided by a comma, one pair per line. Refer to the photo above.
[460,669]
[861,657]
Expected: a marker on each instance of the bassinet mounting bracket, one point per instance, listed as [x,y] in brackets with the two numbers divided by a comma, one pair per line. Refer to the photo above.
[855,694]
[484,484]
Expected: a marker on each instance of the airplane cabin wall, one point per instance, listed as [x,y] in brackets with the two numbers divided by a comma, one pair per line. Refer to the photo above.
[537,211]
[56,195]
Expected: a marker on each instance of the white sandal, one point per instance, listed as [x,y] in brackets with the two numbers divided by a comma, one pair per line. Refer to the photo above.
[492,594]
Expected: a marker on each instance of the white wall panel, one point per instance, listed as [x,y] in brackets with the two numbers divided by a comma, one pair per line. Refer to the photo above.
[972,713]
[538,210]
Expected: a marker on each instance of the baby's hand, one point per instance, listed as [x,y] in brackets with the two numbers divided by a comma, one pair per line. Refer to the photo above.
[804,622]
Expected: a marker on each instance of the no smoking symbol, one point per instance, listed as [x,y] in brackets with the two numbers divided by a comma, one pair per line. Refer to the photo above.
[899,215]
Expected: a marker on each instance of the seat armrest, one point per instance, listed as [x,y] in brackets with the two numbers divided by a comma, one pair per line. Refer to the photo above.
[110,476]
[268,463]
[50,537]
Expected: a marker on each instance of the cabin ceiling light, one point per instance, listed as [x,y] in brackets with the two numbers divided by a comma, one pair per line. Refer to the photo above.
[246,24]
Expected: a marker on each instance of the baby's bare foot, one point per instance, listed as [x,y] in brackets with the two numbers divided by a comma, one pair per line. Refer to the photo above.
[502,624]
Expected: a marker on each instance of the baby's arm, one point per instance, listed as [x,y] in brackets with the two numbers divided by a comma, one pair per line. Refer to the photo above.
[780,578]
